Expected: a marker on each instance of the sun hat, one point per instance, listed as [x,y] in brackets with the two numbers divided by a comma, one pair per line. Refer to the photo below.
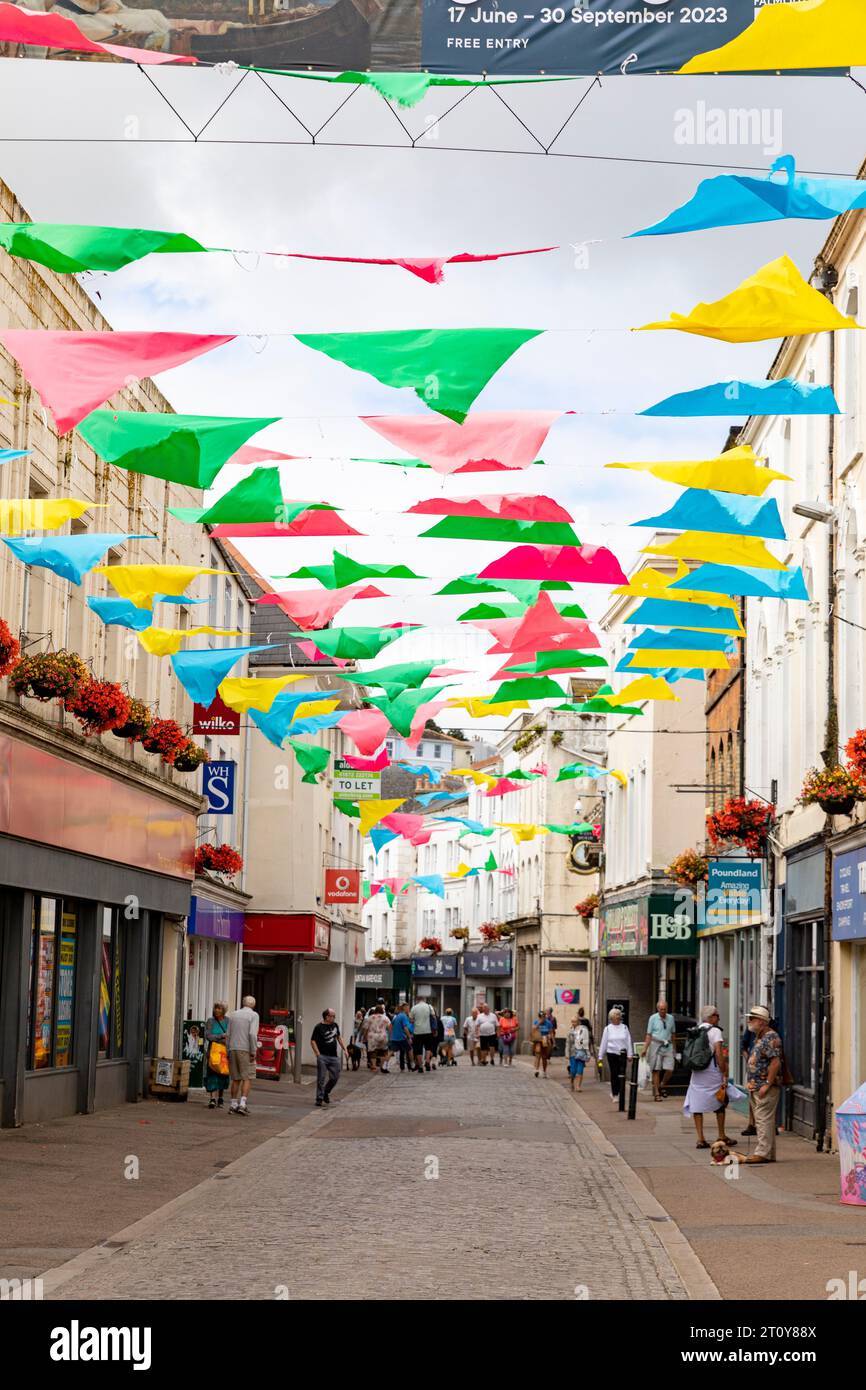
[760,1012]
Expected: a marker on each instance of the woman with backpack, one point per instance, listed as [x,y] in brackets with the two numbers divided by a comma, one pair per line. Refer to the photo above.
[704,1057]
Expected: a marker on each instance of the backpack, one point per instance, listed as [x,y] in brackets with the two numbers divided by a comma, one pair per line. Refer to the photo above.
[697,1053]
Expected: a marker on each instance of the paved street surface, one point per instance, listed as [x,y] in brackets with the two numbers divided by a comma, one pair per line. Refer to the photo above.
[495,1182]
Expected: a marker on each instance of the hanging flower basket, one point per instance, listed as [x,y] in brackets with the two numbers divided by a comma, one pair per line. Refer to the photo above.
[99,706]
[460,933]
[166,737]
[855,751]
[588,907]
[833,789]
[742,822]
[430,943]
[189,756]
[49,676]
[218,859]
[689,868]
[382,954]
[138,721]
[10,649]
[491,932]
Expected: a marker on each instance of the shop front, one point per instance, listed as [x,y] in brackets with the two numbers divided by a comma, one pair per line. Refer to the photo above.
[374,982]
[848,950]
[647,952]
[802,994]
[96,877]
[436,978]
[731,923]
[487,978]
[215,935]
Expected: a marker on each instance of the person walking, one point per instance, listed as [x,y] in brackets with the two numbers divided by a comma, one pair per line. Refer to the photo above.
[470,1036]
[216,1076]
[765,1068]
[660,1048]
[242,1039]
[616,1045]
[508,1025]
[449,1038]
[401,1036]
[324,1040]
[488,1030]
[707,1093]
[421,1015]
[577,1051]
[378,1038]
[356,1043]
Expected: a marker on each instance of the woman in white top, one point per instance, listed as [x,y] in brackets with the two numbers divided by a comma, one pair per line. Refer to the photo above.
[577,1051]
[702,1097]
[617,1046]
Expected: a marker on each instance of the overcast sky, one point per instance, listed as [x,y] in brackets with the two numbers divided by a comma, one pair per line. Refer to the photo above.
[103,147]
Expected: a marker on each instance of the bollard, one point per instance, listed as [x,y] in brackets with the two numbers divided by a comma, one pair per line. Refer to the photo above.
[633,1088]
[622,1092]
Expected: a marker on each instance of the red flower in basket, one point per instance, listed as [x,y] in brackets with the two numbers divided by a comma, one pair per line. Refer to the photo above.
[166,737]
[100,706]
[10,649]
[218,859]
[430,943]
[490,931]
[138,721]
[745,822]
[587,907]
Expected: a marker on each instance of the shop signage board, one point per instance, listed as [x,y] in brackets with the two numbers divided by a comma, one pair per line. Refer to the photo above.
[216,920]
[670,929]
[215,719]
[581,37]
[218,786]
[375,977]
[486,963]
[623,930]
[734,895]
[352,785]
[849,895]
[436,967]
[342,885]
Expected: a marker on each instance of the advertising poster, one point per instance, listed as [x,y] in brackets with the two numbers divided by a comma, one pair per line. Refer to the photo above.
[193,1050]
[65,991]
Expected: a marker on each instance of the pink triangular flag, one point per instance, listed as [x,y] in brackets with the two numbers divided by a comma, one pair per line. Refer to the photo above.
[584,564]
[423,836]
[316,608]
[366,728]
[406,823]
[422,714]
[311,523]
[249,454]
[496,506]
[503,786]
[377,764]
[312,653]
[76,372]
[501,437]
[29,27]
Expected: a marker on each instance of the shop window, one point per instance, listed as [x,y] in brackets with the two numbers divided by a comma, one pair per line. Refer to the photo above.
[112,974]
[53,954]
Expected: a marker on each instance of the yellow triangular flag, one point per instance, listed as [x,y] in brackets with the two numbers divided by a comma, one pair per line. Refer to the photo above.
[165,641]
[659,659]
[644,688]
[139,583]
[242,693]
[19,514]
[783,38]
[478,707]
[775,302]
[736,470]
[460,872]
[523,830]
[308,707]
[374,811]
[713,548]
[481,779]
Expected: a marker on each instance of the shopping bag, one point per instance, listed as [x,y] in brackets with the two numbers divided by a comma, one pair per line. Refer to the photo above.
[218,1058]
[643,1074]
[458,1048]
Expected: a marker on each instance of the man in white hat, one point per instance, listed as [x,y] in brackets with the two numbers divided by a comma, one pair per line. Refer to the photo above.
[764,1083]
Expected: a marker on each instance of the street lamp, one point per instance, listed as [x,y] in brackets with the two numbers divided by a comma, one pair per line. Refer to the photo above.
[815,511]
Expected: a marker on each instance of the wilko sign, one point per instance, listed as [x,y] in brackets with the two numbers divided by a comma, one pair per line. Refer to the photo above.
[342,885]
[217,718]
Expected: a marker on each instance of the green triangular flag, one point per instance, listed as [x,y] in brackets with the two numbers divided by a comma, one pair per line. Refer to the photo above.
[323,573]
[69,248]
[405,88]
[349,571]
[578,827]
[494,528]
[557,661]
[526,591]
[348,808]
[187,449]
[256,498]
[403,708]
[527,688]
[445,367]
[393,679]
[358,642]
[491,861]
[516,610]
[310,757]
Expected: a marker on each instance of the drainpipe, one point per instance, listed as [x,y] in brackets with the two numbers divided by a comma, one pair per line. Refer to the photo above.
[830,754]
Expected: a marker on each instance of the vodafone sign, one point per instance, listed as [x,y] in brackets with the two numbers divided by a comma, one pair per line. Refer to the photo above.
[342,885]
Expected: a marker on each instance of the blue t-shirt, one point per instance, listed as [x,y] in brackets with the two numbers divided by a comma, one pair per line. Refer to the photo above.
[661,1029]
[547,1025]
[401,1028]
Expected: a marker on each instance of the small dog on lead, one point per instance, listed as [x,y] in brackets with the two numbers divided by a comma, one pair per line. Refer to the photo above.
[720,1154]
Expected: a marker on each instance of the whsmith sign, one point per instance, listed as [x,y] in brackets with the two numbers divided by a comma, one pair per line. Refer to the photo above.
[582,38]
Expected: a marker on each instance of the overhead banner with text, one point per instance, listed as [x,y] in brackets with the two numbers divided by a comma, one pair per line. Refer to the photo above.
[585,38]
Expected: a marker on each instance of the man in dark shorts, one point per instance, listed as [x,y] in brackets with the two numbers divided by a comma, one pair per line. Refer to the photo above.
[422,1028]
[488,1029]
[324,1040]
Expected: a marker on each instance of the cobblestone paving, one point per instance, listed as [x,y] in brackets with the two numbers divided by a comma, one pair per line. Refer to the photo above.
[349,1205]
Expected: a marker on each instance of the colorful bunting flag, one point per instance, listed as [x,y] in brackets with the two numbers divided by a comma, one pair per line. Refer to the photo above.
[257,497]
[809,35]
[19,514]
[243,693]
[724,513]
[737,470]
[506,440]
[720,549]
[375,810]
[311,758]
[586,564]
[187,449]
[746,582]
[359,642]
[200,673]
[140,583]
[70,557]
[165,641]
